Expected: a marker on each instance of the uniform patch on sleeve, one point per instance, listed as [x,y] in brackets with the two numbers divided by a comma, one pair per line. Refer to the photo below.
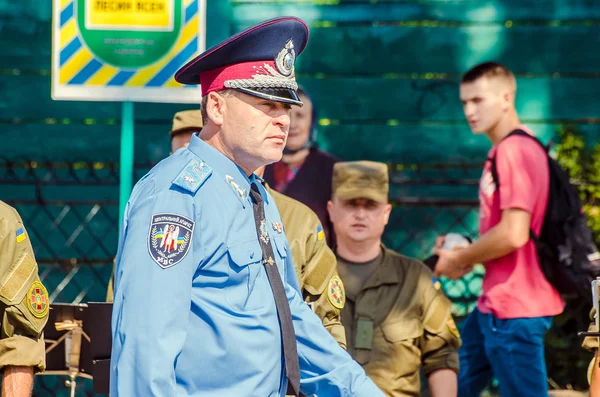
[169,239]
[37,300]
[320,232]
[16,280]
[336,293]
[21,236]
[452,327]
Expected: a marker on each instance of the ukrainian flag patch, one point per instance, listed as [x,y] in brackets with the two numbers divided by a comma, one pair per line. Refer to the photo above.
[21,236]
[320,233]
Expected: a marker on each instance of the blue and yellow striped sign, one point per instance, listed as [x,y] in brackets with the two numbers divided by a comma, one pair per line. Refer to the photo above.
[99,53]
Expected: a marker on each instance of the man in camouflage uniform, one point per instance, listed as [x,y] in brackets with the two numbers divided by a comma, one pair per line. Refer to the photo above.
[24,305]
[396,318]
[314,262]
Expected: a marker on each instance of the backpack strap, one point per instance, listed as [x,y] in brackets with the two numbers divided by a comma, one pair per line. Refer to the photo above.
[494,169]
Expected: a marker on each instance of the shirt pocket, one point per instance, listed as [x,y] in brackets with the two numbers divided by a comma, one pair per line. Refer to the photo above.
[247,284]
[400,345]
[281,252]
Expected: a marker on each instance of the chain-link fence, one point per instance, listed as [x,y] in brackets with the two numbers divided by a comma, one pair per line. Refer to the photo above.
[70,210]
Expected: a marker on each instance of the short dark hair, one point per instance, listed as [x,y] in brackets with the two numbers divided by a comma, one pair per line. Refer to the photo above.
[226,93]
[489,69]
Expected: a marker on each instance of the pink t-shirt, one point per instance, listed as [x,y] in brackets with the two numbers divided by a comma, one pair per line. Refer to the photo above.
[514,285]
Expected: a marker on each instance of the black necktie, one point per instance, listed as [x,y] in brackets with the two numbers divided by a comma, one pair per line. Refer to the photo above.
[290,353]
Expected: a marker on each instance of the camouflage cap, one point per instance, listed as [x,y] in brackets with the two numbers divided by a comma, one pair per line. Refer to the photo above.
[361,179]
[186,120]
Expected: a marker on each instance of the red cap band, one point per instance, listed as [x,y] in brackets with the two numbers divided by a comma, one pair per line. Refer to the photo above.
[214,80]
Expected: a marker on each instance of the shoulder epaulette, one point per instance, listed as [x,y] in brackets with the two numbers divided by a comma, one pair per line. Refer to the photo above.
[193,175]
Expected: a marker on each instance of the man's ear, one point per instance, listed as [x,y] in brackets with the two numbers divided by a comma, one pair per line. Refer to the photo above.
[388,211]
[508,98]
[215,108]
[330,209]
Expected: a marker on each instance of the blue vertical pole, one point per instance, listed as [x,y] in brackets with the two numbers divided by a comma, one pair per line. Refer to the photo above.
[126,167]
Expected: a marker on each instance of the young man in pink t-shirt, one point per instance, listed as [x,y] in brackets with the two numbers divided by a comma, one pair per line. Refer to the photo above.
[504,335]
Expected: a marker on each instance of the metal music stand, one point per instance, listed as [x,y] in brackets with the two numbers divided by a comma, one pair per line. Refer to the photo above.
[98,327]
[67,344]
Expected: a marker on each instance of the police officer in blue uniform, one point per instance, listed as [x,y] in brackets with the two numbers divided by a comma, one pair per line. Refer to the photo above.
[207,301]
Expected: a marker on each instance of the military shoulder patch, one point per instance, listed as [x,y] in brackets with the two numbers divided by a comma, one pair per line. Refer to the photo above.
[452,327]
[320,233]
[21,236]
[169,238]
[336,293]
[193,175]
[37,300]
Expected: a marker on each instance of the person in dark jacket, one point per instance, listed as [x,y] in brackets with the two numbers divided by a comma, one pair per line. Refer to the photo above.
[305,171]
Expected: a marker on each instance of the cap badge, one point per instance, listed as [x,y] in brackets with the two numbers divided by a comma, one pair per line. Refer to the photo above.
[285,59]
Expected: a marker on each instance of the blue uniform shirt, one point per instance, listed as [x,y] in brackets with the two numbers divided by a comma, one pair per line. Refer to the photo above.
[194,314]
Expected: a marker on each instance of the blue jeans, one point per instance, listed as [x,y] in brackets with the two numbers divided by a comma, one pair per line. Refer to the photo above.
[512,350]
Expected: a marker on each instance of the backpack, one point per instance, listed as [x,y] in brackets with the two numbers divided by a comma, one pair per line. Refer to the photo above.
[567,253]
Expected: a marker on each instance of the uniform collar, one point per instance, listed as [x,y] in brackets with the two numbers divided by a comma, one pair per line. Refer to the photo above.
[233,175]
[384,274]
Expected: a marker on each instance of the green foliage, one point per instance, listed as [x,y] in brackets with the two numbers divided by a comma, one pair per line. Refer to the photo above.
[583,166]
[567,361]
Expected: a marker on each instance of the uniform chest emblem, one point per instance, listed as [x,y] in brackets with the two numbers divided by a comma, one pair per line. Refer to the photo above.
[336,293]
[37,302]
[263,233]
[277,227]
[169,239]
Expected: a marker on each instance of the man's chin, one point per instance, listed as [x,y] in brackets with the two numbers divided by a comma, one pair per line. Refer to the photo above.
[477,131]
[359,237]
[273,155]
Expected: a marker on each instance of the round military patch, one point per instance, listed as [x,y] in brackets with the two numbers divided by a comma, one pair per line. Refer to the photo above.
[336,293]
[169,238]
[452,327]
[37,300]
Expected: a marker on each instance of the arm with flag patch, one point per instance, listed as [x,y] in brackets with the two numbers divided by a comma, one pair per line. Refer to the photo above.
[24,304]
[322,286]
[153,283]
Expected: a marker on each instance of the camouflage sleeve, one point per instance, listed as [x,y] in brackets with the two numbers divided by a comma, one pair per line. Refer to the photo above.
[440,340]
[322,288]
[24,302]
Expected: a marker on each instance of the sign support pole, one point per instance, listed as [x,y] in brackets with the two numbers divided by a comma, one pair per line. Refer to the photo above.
[126,164]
